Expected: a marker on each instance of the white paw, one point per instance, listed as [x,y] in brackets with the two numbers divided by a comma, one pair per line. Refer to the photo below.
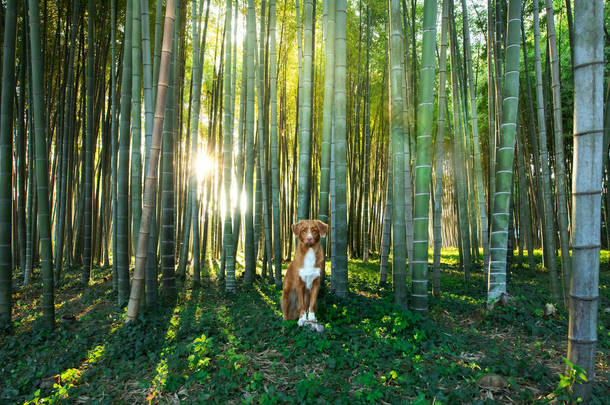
[319,327]
[302,320]
[311,317]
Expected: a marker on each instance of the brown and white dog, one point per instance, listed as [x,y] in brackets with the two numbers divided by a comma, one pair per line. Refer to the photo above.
[305,272]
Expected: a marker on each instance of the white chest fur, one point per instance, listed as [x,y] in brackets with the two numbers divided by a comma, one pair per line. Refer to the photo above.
[308,272]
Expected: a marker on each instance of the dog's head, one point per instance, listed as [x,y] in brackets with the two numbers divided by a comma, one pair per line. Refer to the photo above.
[310,231]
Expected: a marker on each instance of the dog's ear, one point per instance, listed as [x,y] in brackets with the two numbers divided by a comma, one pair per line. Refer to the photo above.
[322,228]
[296,228]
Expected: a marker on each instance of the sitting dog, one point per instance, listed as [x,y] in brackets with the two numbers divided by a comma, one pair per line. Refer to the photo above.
[304,274]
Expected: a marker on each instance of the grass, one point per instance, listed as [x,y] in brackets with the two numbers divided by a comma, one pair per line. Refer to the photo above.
[214,347]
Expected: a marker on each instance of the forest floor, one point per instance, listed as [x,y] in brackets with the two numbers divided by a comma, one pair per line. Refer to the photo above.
[208,346]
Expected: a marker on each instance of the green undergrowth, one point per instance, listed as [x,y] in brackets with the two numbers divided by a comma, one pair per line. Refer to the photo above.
[208,346]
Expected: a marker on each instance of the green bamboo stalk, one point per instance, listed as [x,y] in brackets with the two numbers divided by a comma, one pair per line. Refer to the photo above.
[367,144]
[549,234]
[115,142]
[123,257]
[31,203]
[478,171]
[560,182]
[168,214]
[239,139]
[459,160]
[150,188]
[586,190]
[537,187]
[327,114]
[387,226]
[439,152]
[135,190]
[6,162]
[491,108]
[262,143]
[21,154]
[89,153]
[195,99]
[398,186]
[466,158]
[299,102]
[407,154]
[193,208]
[250,256]
[497,91]
[333,207]
[42,168]
[525,221]
[228,156]
[275,155]
[60,220]
[423,167]
[496,285]
[305,116]
[157,46]
[340,141]
[147,80]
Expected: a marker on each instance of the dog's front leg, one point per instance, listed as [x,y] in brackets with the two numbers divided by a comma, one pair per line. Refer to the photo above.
[301,295]
[315,287]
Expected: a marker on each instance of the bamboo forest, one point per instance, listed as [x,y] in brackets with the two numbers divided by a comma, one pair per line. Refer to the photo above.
[310,201]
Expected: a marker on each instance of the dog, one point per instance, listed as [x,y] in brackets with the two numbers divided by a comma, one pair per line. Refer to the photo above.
[304,274]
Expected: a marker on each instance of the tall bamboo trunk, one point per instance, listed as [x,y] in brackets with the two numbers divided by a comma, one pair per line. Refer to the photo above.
[135,190]
[387,227]
[42,168]
[458,154]
[327,110]
[496,284]
[228,157]
[250,256]
[423,168]
[168,213]
[90,153]
[6,162]
[525,216]
[306,114]
[192,207]
[367,145]
[560,177]
[478,171]
[150,188]
[549,233]
[147,80]
[275,156]
[439,151]
[60,219]
[340,140]
[586,189]
[239,141]
[263,146]
[398,186]
[115,141]
[123,256]
[21,153]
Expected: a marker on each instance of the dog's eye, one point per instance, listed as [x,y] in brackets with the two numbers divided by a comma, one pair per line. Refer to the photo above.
[315,231]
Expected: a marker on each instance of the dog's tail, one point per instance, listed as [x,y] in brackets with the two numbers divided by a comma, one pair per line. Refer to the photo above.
[290,305]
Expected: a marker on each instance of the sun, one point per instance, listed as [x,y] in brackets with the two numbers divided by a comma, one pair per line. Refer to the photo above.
[204,165]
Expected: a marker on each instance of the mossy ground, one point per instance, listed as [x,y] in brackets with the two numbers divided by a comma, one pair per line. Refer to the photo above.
[208,346]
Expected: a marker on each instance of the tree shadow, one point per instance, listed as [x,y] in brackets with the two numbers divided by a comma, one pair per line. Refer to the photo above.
[118,353]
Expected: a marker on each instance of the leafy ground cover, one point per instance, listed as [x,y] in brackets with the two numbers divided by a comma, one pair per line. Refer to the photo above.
[208,346]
